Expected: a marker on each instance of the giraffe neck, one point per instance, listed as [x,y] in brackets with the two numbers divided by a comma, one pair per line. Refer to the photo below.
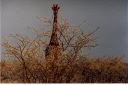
[54,38]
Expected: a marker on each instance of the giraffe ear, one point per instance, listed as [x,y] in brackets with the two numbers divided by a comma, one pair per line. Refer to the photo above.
[53,7]
[58,7]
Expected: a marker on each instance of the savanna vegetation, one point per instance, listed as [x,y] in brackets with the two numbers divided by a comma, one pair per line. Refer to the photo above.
[25,59]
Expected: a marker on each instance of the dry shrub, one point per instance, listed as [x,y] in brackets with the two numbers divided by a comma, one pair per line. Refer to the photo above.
[103,70]
[28,63]
[65,70]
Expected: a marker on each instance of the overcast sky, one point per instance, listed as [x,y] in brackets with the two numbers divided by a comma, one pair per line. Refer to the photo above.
[0,25]
[18,16]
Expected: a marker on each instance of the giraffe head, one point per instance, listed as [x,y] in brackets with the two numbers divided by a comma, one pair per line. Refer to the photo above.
[55,8]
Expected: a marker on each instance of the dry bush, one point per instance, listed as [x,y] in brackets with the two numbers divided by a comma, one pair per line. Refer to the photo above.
[64,70]
[28,62]
[103,70]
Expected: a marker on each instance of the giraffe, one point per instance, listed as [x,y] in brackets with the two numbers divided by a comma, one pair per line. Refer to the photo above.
[53,49]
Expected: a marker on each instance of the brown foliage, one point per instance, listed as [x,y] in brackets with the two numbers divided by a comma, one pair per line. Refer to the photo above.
[64,70]
[28,63]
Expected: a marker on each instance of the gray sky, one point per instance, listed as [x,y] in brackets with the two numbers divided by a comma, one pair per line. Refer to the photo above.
[110,15]
[0,25]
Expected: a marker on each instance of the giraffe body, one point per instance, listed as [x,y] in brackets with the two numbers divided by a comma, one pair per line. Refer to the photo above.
[53,49]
